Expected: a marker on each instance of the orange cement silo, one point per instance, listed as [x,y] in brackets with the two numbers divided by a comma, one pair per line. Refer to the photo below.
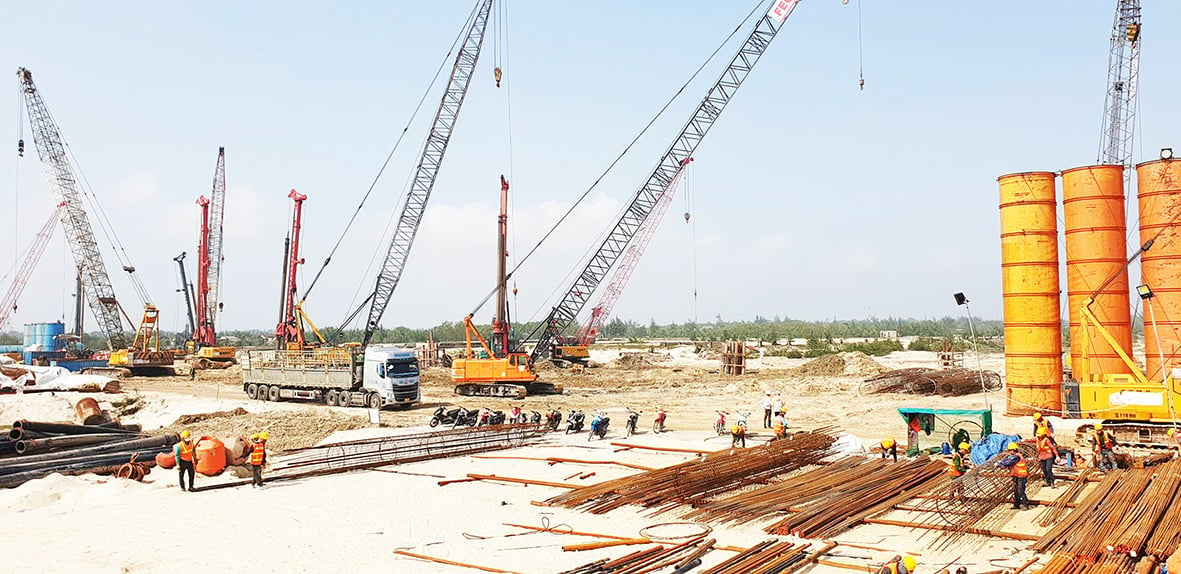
[1097,253]
[1029,280]
[1159,185]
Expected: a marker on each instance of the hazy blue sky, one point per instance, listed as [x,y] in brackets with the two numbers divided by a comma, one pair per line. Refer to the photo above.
[810,198]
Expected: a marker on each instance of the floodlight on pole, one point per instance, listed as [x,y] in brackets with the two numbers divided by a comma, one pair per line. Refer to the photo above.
[1145,293]
[961,299]
[1166,153]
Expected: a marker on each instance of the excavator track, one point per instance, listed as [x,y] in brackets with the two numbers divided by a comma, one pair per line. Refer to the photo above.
[507,390]
[1134,434]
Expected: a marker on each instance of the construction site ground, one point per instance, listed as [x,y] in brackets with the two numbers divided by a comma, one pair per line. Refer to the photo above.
[356,520]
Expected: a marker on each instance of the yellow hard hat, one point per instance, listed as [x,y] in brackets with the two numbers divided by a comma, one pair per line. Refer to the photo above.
[909,562]
[254,436]
[1170,432]
[185,434]
[888,443]
[1041,431]
[1012,446]
[965,446]
[264,436]
[1037,416]
[735,429]
[1098,426]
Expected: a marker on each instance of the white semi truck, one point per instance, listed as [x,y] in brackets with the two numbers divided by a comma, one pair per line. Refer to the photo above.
[379,376]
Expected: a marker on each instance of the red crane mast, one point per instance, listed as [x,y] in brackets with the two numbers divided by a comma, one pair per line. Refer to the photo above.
[289,332]
[203,334]
[8,304]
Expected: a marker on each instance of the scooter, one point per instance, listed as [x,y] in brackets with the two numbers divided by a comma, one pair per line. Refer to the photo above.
[658,424]
[491,417]
[553,420]
[517,415]
[742,416]
[574,421]
[534,417]
[598,426]
[632,418]
[467,417]
[444,416]
[720,424]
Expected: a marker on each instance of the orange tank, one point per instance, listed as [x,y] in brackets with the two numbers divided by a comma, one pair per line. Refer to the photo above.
[1096,252]
[211,456]
[1159,193]
[1029,277]
[165,459]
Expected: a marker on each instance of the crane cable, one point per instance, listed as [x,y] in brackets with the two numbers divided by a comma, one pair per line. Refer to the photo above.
[860,51]
[390,156]
[623,153]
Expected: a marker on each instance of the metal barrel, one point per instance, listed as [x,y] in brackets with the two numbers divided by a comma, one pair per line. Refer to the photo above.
[1030,286]
[1096,253]
[1158,185]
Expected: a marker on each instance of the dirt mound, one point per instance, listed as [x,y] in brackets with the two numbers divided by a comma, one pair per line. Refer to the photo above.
[639,360]
[847,364]
[288,429]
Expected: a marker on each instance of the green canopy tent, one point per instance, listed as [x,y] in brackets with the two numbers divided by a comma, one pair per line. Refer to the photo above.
[930,428]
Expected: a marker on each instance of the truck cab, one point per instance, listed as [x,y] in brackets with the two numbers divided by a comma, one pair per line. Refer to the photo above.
[392,372]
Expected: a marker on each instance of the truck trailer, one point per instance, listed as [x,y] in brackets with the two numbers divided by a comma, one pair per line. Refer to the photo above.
[377,377]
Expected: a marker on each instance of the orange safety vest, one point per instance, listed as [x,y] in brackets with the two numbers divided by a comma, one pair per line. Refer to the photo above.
[1019,469]
[951,467]
[1045,448]
[1104,439]
[186,450]
[891,568]
[778,426]
[1043,424]
[257,454]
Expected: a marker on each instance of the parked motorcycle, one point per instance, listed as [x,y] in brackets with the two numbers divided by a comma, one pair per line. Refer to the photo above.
[658,424]
[553,420]
[598,425]
[518,415]
[720,424]
[466,417]
[444,416]
[491,417]
[574,421]
[534,417]
[633,417]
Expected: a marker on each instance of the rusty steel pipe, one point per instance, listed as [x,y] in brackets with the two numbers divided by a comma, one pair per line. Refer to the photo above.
[38,445]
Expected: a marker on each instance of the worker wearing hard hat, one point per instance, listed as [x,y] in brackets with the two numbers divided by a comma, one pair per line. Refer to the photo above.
[890,448]
[186,459]
[1046,453]
[1105,446]
[1041,422]
[737,436]
[779,425]
[258,456]
[767,404]
[1019,470]
[899,565]
[959,461]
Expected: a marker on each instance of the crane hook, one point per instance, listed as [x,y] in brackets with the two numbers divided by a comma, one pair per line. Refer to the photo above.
[20,148]
[498,74]
[686,217]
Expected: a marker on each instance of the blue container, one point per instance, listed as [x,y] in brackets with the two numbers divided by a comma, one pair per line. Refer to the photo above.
[52,330]
[946,448]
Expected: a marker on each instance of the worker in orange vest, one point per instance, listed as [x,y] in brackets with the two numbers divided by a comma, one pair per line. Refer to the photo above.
[186,459]
[890,448]
[959,464]
[258,456]
[1019,470]
[780,424]
[1105,446]
[1040,422]
[899,565]
[1046,453]
[737,436]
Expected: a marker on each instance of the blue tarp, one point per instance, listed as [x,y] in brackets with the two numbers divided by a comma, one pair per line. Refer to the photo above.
[990,446]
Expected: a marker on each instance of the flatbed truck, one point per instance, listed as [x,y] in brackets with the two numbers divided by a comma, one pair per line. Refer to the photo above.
[377,377]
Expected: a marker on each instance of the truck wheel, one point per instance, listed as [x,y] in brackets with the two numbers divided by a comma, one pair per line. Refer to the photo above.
[374,401]
[331,398]
[344,399]
[252,391]
[273,394]
[262,393]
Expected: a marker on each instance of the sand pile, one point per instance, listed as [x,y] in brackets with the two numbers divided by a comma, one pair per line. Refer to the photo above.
[288,429]
[639,360]
[847,364]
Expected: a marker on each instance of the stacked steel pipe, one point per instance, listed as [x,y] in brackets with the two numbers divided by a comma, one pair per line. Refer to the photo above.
[826,501]
[696,481]
[38,449]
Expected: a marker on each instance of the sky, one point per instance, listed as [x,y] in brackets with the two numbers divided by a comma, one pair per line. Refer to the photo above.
[810,198]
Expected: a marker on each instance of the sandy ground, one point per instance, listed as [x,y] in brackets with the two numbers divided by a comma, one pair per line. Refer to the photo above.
[354,521]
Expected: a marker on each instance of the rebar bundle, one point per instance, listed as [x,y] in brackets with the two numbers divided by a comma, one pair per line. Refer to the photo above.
[769,556]
[1129,511]
[367,453]
[924,381]
[696,481]
[1056,510]
[828,500]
